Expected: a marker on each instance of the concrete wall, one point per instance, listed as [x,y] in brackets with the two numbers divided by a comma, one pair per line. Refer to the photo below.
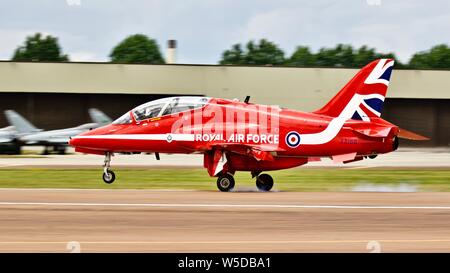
[300,88]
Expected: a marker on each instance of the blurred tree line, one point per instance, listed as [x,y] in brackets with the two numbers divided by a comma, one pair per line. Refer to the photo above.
[136,48]
[139,48]
[267,53]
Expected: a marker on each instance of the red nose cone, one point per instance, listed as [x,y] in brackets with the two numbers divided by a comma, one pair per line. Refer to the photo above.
[72,142]
[76,142]
[88,140]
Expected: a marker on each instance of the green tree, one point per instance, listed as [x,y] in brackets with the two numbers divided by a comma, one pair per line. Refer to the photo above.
[137,48]
[437,57]
[340,56]
[302,56]
[235,55]
[262,53]
[365,55]
[40,49]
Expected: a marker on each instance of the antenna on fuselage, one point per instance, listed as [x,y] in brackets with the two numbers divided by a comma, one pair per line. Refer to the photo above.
[247,99]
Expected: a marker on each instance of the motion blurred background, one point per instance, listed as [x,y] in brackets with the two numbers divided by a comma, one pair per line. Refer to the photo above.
[62,57]
[63,62]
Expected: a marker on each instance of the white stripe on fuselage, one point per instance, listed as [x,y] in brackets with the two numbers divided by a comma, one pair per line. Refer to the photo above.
[337,123]
[167,137]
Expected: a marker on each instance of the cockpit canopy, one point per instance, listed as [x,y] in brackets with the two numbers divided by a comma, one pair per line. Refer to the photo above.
[162,107]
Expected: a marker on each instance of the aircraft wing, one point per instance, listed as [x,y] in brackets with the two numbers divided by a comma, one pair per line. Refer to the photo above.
[5,140]
[53,137]
[219,160]
[59,140]
[7,135]
[410,135]
[259,152]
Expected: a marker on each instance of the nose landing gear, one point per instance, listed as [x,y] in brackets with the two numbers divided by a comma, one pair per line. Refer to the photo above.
[108,175]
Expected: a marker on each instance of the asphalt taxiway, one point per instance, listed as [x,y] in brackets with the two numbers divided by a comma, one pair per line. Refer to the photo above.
[64,220]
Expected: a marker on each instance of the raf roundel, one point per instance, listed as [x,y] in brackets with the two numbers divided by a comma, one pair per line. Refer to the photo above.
[293,139]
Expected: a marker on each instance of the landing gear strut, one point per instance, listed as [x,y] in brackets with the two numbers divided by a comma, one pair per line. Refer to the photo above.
[108,175]
[264,182]
[225,182]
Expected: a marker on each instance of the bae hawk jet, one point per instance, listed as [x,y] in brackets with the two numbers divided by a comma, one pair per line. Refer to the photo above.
[242,136]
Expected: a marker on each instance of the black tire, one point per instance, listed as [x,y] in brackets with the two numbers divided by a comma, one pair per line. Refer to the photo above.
[264,182]
[225,182]
[109,177]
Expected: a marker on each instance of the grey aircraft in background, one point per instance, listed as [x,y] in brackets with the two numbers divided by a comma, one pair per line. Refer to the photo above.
[7,133]
[25,133]
[8,141]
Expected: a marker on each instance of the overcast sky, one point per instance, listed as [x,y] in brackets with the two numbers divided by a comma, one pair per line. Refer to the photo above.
[88,29]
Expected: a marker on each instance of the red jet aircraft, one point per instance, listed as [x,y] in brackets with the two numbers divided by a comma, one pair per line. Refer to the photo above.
[241,136]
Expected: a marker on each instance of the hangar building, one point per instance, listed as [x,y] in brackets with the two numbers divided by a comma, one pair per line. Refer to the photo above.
[57,95]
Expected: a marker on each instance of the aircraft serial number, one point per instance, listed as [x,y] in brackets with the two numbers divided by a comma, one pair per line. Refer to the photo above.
[346,140]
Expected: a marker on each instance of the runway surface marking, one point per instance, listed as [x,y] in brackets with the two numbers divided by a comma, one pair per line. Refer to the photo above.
[181,205]
[239,242]
[105,190]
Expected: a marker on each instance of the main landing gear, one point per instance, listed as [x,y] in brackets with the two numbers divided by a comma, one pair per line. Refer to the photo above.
[264,182]
[108,175]
[225,182]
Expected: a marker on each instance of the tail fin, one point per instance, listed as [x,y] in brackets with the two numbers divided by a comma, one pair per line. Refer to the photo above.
[99,117]
[21,125]
[363,96]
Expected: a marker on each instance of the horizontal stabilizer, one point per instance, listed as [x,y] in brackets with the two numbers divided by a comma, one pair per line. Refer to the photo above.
[410,135]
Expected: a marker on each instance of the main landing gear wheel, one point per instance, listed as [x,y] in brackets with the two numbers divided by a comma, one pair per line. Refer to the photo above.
[264,182]
[225,182]
[109,177]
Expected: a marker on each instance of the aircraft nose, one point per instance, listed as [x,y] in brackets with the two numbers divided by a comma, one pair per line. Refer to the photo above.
[88,139]
[74,141]
[79,141]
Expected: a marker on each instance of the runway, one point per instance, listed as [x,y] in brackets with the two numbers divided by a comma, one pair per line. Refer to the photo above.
[58,220]
[404,157]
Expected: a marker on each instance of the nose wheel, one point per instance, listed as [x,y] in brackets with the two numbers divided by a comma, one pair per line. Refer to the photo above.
[264,182]
[108,175]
